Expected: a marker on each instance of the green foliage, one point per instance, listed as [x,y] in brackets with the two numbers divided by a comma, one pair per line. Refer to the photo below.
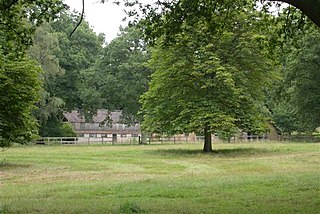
[45,51]
[3,209]
[167,19]
[130,207]
[296,106]
[19,90]
[210,76]
[54,127]
[67,130]
[302,66]
[111,77]
[120,77]
[20,84]
[19,20]
[78,53]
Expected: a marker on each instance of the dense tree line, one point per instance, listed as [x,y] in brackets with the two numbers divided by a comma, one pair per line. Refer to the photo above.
[219,67]
[83,73]
[45,72]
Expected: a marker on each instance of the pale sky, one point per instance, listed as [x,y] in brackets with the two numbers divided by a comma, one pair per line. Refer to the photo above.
[104,18]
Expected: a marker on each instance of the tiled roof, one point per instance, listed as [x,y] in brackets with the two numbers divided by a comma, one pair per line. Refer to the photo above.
[74,117]
[102,115]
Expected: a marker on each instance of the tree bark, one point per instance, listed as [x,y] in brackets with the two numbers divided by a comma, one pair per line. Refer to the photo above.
[310,8]
[207,140]
[143,138]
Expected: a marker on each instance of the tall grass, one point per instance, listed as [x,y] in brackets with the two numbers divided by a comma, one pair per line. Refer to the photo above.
[236,178]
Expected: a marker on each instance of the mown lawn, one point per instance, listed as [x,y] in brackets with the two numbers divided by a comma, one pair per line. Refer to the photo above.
[237,178]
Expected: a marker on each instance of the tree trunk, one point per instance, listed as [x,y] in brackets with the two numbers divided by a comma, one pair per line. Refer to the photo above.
[207,140]
[310,8]
[143,138]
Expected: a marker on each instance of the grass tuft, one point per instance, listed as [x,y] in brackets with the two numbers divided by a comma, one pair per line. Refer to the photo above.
[130,207]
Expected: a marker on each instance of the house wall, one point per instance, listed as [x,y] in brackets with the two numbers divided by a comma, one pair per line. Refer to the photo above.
[96,130]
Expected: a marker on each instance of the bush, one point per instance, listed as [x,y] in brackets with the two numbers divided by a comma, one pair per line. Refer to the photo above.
[67,130]
[56,128]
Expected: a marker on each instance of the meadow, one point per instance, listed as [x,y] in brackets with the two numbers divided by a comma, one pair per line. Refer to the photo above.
[265,177]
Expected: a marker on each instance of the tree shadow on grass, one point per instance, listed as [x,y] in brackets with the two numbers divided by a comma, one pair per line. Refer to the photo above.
[221,153]
[4,165]
[241,152]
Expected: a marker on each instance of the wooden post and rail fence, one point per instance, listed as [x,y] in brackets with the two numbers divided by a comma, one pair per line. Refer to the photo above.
[138,140]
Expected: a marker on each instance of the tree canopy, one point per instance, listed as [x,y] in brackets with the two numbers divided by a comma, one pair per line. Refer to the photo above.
[210,80]
[20,85]
[120,77]
[296,96]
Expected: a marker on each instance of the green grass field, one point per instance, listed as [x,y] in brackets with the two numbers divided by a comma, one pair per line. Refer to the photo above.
[236,178]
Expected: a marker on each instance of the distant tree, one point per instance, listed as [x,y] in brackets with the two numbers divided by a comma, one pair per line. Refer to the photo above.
[302,78]
[78,53]
[45,50]
[54,127]
[118,80]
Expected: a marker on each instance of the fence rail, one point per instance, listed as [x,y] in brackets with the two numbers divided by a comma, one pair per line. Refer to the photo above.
[306,138]
[138,140]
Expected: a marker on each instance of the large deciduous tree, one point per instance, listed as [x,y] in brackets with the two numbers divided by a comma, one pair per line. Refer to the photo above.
[20,83]
[311,8]
[19,90]
[210,79]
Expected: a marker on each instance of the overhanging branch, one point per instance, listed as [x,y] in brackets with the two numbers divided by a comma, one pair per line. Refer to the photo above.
[310,8]
[81,18]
